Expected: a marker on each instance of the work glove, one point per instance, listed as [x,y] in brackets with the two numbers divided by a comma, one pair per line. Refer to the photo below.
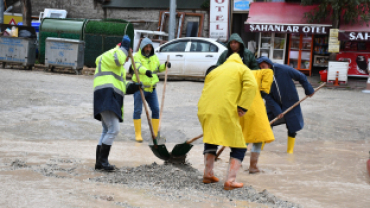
[139,84]
[132,87]
[126,42]
[168,64]
[149,73]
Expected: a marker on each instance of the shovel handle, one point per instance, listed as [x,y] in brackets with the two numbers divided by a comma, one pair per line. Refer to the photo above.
[143,99]
[163,95]
[297,103]
[219,152]
[193,139]
[285,112]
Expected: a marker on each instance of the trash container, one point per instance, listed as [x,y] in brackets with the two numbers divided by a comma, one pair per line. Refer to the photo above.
[20,50]
[323,75]
[103,35]
[66,53]
[59,28]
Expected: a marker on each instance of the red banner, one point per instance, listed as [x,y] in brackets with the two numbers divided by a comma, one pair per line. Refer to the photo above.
[358,62]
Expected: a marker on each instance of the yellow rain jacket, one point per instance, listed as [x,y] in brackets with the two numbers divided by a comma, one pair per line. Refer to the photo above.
[255,124]
[230,85]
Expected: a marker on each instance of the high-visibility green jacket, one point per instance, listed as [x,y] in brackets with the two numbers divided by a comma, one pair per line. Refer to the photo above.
[144,63]
[110,82]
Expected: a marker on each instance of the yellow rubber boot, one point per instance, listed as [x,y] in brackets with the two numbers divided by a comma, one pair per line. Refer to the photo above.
[155,123]
[137,124]
[291,141]
[263,145]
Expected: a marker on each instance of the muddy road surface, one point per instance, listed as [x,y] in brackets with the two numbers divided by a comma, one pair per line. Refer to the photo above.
[48,139]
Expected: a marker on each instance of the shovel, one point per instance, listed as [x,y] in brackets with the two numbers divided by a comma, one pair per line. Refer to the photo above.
[285,112]
[159,150]
[182,149]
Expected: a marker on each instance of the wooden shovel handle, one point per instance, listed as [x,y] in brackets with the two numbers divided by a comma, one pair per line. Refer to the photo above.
[297,103]
[275,119]
[193,139]
[219,152]
[142,97]
[163,95]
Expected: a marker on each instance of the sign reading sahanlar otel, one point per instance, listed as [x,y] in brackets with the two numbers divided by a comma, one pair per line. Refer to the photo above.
[219,20]
[305,29]
[354,36]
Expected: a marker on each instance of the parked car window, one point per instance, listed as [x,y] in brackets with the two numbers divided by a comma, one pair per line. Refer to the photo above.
[198,46]
[175,47]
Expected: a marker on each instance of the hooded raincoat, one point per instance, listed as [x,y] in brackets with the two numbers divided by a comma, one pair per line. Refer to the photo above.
[110,85]
[283,94]
[144,63]
[228,86]
[255,124]
[247,56]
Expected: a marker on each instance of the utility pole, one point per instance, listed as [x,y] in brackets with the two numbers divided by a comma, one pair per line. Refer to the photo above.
[172,23]
[1,11]
[26,12]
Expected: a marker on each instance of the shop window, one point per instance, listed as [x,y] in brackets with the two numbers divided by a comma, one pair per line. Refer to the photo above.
[355,46]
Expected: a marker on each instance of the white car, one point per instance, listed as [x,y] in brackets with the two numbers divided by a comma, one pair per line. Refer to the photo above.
[190,56]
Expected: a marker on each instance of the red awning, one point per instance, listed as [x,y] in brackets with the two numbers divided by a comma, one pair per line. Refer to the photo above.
[355,28]
[283,15]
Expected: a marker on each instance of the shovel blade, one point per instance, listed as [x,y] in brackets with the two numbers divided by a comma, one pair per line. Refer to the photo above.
[181,149]
[160,151]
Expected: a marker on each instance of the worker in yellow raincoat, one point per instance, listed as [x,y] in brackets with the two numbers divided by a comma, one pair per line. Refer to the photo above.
[255,124]
[227,94]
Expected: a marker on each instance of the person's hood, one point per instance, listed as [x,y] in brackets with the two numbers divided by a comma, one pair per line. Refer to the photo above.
[234,58]
[237,38]
[265,59]
[145,42]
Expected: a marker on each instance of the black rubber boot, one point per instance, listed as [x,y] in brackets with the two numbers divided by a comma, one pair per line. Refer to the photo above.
[97,165]
[103,158]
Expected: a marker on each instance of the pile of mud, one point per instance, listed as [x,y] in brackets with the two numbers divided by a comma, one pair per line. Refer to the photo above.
[177,182]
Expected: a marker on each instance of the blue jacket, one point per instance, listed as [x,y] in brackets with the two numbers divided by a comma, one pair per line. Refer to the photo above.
[283,94]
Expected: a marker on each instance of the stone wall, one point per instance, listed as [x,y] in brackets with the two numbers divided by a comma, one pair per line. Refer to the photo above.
[144,19]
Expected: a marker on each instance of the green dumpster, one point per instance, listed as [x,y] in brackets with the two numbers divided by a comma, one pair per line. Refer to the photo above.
[103,35]
[59,28]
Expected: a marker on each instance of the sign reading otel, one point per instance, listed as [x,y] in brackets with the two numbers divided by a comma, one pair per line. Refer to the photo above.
[219,20]
[307,29]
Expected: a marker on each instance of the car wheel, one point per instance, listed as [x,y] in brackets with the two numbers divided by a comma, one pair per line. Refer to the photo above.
[209,70]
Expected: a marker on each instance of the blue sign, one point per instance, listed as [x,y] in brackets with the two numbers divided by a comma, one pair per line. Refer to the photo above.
[241,5]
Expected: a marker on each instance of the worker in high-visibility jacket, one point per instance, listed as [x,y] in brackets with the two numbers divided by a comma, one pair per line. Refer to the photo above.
[147,63]
[110,87]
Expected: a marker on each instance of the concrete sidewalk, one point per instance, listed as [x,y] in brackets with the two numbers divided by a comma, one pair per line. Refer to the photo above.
[353,83]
